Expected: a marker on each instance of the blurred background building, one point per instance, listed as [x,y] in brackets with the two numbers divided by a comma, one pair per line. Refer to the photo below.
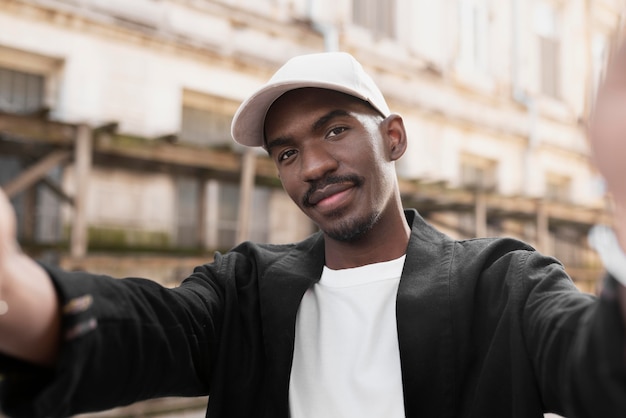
[115,115]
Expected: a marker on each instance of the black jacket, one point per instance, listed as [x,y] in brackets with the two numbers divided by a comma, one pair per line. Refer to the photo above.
[486,328]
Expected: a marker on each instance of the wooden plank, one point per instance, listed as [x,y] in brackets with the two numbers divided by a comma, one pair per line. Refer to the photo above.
[36,172]
[480,214]
[542,225]
[202,213]
[82,165]
[36,129]
[246,189]
[170,154]
[439,197]
[57,190]
[224,161]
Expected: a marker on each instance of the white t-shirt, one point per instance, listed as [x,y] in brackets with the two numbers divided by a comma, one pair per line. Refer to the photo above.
[346,359]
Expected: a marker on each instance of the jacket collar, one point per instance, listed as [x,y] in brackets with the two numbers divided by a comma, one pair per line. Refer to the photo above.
[424,320]
[281,289]
[423,316]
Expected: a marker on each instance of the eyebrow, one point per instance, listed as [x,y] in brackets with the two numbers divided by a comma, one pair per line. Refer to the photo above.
[328,116]
[284,140]
[277,142]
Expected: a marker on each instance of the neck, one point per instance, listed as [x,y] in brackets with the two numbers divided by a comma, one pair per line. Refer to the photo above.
[387,241]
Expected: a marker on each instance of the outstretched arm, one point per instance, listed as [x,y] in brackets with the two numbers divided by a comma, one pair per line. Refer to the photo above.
[608,137]
[608,143]
[133,337]
[29,311]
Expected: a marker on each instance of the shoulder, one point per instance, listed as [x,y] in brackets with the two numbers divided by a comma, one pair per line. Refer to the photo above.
[269,254]
[485,251]
[253,260]
[499,259]
[489,251]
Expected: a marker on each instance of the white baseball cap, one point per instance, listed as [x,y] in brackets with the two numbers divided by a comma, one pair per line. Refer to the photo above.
[337,71]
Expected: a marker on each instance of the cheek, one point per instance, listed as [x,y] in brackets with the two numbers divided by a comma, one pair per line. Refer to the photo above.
[289,186]
[377,163]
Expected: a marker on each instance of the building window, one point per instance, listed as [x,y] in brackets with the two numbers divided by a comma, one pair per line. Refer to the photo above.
[599,54]
[225,219]
[21,92]
[228,215]
[206,120]
[558,188]
[187,213]
[376,16]
[474,34]
[568,245]
[37,208]
[549,48]
[478,173]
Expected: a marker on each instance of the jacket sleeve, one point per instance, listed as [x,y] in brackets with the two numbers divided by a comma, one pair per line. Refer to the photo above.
[598,367]
[124,340]
[576,342]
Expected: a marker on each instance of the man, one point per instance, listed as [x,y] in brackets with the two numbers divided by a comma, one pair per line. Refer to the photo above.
[378,314]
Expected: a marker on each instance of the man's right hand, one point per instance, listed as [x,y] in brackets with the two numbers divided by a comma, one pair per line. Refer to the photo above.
[30,316]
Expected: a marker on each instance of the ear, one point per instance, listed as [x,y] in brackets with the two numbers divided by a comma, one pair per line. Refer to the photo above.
[392,129]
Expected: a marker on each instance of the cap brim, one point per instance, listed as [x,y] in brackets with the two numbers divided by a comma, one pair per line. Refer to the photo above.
[249,120]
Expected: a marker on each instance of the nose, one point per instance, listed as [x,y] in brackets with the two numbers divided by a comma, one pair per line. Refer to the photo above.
[316,162]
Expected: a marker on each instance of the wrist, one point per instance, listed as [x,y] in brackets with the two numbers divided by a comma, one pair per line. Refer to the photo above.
[605,241]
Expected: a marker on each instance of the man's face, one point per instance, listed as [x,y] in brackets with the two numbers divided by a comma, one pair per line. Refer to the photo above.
[332,159]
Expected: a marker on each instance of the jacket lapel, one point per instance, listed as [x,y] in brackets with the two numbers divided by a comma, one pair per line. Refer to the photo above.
[281,289]
[424,322]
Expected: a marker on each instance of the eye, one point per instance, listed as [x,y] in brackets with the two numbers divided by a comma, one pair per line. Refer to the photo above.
[337,130]
[283,156]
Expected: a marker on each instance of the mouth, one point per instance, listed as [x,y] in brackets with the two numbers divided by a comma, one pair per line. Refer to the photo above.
[328,193]
[332,192]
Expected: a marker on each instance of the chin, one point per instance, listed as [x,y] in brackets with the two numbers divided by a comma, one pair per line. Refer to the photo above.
[351,230]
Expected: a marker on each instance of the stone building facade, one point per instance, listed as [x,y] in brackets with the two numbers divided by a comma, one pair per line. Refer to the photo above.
[115,115]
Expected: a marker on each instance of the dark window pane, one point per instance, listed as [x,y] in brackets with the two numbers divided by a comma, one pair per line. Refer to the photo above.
[20,92]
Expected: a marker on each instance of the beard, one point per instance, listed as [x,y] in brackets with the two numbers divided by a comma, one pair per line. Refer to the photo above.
[352,230]
[349,229]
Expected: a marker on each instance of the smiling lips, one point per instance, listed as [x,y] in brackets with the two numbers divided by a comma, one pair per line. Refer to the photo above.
[328,194]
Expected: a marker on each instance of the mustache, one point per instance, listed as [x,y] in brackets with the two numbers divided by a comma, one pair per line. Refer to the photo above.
[327,181]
